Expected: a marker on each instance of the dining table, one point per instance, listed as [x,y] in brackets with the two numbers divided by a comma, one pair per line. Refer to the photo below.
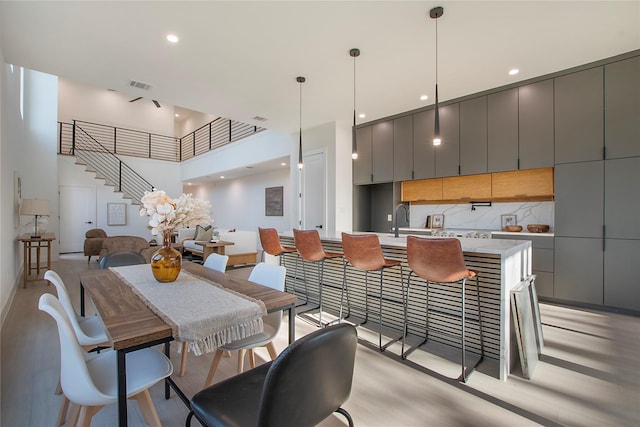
[132,325]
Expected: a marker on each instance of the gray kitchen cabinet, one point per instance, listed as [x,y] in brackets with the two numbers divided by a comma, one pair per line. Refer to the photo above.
[535,125]
[382,151]
[621,272]
[403,149]
[362,166]
[579,123]
[424,156]
[622,198]
[473,136]
[622,108]
[448,153]
[502,131]
[579,199]
[578,266]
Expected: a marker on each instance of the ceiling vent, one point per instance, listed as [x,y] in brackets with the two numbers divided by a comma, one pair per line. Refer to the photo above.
[139,85]
[260,119]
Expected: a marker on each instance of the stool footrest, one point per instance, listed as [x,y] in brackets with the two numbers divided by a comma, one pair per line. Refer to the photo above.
[388,299]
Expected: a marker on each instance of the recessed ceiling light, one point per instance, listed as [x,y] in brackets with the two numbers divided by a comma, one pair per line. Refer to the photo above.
[188,183]
[423,97]
[362,115]
[283,164]
[172,38]
[177,115]
[513,71]
[221,176]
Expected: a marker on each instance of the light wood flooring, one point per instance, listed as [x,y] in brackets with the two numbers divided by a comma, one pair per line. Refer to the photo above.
[589,374]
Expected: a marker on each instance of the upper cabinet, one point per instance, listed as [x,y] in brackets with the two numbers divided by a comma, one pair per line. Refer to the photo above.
[382,151]
[473,136]
[422,190]
[469,187]
[403,148]
[448,153]
[622,108]
[362,166]
[579,123]
[528,184]
[424,156]
[502,120]
[535,125]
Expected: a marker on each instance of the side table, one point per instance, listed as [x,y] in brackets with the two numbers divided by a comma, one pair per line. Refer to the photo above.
[37,243]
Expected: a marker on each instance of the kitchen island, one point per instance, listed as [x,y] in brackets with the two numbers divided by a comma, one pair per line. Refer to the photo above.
[501,265]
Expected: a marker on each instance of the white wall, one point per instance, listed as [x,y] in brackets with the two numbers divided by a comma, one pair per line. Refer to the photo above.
[28,147]
[164,175]
[88,103]
[240,203]
[195,120]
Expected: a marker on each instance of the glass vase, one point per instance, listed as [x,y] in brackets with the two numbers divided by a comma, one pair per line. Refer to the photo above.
[166,261]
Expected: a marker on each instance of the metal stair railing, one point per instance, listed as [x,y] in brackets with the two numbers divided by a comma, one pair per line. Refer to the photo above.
[106,165]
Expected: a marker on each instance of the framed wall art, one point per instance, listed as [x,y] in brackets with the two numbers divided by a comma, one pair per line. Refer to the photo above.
[116,214]
[437,221]
[273,201]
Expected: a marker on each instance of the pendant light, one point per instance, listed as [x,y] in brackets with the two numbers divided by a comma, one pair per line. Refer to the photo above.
[354,143]
[300,165]
[436,13]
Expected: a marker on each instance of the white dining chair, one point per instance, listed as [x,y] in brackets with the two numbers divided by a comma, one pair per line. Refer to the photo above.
[215,262]
[272,276]
[92,384]
[90,331]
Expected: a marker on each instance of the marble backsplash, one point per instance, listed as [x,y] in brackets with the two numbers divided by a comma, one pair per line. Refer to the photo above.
[484,218]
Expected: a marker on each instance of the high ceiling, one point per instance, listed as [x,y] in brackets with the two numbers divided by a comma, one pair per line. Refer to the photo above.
[240,59]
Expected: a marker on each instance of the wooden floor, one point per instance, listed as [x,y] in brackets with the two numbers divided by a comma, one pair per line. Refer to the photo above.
[589,374]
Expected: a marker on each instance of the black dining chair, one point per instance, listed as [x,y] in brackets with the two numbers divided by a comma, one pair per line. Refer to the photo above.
[307,382]
[119,259]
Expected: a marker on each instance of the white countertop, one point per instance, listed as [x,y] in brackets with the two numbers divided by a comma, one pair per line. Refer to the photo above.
[488,246]
[521,233]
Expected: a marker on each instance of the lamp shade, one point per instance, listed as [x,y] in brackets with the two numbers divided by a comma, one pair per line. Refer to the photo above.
[35,207]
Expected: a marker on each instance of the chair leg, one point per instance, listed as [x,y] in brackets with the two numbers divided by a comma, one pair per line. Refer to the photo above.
[464,378]
[346,415]
[183,360]
[479,318]
[62,414]
[212,369]
[252,358]
[241,354]
[58,387]
[271,348]
[86,414]
[74,413]
[147,408]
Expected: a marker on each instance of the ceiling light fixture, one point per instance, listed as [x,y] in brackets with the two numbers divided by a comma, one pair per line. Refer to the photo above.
[436,13]
[172,38]
[513,71]
[354,143]
[300,165]
[423,97]
[362,115]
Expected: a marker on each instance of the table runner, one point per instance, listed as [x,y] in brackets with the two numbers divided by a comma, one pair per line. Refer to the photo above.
[200,312]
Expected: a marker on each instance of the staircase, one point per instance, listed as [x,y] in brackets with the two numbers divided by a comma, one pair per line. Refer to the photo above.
[107,166]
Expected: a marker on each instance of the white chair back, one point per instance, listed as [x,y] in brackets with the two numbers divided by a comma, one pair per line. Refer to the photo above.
[269,275]
[74,375]
[217,262]
[84,339]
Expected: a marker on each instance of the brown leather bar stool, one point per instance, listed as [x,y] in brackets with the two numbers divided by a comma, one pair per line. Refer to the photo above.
[271,244]
[442,261]
[310,249]
[363,251]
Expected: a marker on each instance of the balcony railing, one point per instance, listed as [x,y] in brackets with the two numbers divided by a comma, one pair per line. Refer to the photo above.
[128,142]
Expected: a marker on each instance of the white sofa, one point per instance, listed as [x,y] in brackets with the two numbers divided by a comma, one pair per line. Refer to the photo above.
[243,251]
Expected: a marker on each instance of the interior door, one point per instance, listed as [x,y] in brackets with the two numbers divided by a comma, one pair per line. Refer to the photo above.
[313,192]
[77,215]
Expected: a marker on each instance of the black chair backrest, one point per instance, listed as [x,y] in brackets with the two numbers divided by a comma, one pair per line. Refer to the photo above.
[119,259]
[310,379]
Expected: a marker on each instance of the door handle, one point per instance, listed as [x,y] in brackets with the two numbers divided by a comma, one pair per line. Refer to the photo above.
[89,222]
[319,226]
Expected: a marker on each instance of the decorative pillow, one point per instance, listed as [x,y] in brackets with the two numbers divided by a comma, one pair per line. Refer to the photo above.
[203,234]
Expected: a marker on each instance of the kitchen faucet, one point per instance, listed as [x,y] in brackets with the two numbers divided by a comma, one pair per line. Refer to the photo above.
[395,217]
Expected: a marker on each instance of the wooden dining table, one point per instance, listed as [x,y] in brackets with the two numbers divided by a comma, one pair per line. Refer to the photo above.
[131,325]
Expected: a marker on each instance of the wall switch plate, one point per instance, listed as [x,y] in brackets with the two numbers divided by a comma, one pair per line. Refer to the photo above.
[389,218]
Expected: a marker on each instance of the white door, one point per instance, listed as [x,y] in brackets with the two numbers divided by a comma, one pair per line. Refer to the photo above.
[77,215]
[313,192]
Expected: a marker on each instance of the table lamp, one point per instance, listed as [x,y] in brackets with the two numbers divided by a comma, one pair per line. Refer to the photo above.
[35,207]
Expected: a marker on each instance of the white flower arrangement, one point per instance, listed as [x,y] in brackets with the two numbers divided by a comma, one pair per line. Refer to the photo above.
[166,214]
